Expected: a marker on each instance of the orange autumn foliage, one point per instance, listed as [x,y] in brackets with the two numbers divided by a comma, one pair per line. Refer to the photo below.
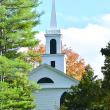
[40,50]
[75,65]
[35,53]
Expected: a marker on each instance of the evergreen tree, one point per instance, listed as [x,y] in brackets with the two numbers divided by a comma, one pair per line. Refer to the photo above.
[85,95]
[106,67]
[17,19]
[106,80]
[15,88]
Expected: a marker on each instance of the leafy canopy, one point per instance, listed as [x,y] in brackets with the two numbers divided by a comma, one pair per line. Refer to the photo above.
[15,88]
[17,20]
[85,95]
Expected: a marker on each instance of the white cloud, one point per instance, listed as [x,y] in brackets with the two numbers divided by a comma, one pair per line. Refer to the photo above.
[87,42]
[23,49]
[41,37]
[106,18]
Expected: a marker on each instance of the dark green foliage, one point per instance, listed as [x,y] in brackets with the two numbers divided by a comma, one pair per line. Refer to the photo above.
[106,51]
[106,67]
[85,95]
[106,80]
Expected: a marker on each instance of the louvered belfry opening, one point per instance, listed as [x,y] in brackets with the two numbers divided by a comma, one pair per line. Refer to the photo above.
[53,46]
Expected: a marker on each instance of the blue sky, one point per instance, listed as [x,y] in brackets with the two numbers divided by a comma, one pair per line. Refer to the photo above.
[74,13]
[85,25]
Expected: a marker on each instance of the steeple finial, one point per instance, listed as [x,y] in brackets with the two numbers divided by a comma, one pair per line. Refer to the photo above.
[53,23]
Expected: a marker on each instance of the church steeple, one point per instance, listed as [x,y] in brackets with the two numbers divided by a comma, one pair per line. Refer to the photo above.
[54,56]
[53,22]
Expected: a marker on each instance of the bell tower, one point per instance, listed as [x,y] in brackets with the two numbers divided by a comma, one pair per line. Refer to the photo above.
[54,56]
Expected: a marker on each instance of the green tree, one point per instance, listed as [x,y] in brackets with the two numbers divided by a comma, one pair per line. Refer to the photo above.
[85,95]
[106,80]
[17,20]
[15,88]
[106,67]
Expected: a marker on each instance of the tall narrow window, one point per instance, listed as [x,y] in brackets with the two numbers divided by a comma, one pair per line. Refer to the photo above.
[53,64]
[53,46]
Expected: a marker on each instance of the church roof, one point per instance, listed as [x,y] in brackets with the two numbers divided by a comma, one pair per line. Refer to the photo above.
[55,70]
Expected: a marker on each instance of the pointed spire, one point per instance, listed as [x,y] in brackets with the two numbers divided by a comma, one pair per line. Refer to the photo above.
[53,23]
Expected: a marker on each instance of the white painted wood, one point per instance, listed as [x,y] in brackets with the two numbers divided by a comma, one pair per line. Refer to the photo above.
[53,23]
[60,79]
[57,37]
[59,59]
[48,98]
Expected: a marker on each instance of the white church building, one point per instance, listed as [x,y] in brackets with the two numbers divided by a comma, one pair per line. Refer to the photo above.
[51,74]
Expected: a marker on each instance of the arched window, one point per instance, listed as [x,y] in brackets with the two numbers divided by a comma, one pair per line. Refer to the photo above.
[62,98]
[53,46]
[45,80]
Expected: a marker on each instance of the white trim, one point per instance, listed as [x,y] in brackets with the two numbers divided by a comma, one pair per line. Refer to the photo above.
[55,70]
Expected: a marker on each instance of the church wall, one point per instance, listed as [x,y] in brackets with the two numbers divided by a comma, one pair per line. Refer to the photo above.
[59,61]
[59,80]
[53,81]
[58,40]
[48,99]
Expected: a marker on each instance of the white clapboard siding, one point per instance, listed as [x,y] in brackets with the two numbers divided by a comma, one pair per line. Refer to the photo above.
[48,97]
[60,79]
